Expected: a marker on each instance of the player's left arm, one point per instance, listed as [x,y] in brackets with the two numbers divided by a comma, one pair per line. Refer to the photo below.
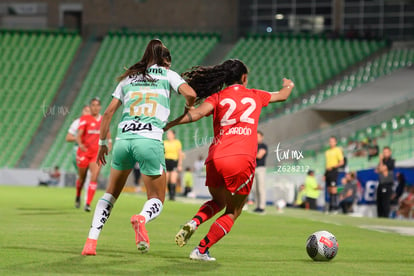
[284,93]
[104,130]
[192,115]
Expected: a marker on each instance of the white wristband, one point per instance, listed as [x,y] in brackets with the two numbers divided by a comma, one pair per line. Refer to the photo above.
[103,142]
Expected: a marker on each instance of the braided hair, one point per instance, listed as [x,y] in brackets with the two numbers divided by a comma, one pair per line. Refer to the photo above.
[155,53]
[207,80]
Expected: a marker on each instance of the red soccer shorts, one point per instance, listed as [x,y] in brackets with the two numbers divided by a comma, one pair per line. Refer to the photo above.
[84,158]
[235,173]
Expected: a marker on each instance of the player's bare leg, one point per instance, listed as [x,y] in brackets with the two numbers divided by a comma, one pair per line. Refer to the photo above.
[79,184]
[93,184]
[222,226]
[155,187]
[117,180]
[208,210]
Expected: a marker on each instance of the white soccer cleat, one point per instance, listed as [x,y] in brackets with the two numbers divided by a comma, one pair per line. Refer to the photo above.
[185,233]
[196,255]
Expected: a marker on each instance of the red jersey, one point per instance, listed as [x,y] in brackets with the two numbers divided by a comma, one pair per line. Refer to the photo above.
[90,127]
[235,119]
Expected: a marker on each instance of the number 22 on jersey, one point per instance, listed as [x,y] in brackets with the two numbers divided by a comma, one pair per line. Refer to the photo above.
[245,117]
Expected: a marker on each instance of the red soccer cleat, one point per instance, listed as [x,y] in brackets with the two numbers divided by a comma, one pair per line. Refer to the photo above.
[141,235]
[89,248]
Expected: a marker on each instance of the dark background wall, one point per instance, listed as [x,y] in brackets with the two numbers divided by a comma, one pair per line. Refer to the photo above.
[99,16]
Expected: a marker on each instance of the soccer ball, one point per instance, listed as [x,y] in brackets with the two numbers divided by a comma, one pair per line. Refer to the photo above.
[322,246]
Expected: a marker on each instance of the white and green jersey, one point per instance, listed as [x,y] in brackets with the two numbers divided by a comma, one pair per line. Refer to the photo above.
[146,103]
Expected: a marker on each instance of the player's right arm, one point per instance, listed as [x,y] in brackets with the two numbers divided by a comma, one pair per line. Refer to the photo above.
[104,130]
[284,93]
[79,140]
[192,115]
[83,124]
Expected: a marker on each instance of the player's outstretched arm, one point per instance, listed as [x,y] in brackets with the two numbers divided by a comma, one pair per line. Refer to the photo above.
[283,94]
[192,115]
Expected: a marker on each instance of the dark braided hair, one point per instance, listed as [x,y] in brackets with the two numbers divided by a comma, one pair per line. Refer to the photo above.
[207,80]
[155,53]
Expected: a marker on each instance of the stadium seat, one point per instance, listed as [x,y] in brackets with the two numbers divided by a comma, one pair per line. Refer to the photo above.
[370,71]
[23,53]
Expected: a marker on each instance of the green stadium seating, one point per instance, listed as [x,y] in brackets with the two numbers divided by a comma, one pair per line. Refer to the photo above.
[119,50]
[369,72]
[32,66]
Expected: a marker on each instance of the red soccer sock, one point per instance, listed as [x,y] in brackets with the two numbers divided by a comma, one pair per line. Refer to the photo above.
[206,211]
[218,230]
[78,188]
[91,192]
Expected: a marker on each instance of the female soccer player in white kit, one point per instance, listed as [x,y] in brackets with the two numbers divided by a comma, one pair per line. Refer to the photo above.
[144,90]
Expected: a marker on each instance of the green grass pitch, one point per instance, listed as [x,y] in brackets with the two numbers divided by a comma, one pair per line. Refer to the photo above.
[41,233]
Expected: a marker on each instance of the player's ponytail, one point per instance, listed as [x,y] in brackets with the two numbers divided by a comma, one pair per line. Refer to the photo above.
[155,53]
[207,80]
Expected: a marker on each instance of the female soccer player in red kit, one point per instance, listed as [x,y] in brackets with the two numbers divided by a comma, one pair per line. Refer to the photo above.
[87,139]
[231,159]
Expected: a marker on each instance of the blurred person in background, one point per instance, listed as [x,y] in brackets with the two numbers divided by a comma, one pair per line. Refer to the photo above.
[300,200]
[173,162]
[334,159]
[71,137]
[400,189]
[406,204]
[349,192]
[188,180]
[87,138]
[385,172]
[259,182]
[137,177]
[386,159]
[312,190]
[384,190]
